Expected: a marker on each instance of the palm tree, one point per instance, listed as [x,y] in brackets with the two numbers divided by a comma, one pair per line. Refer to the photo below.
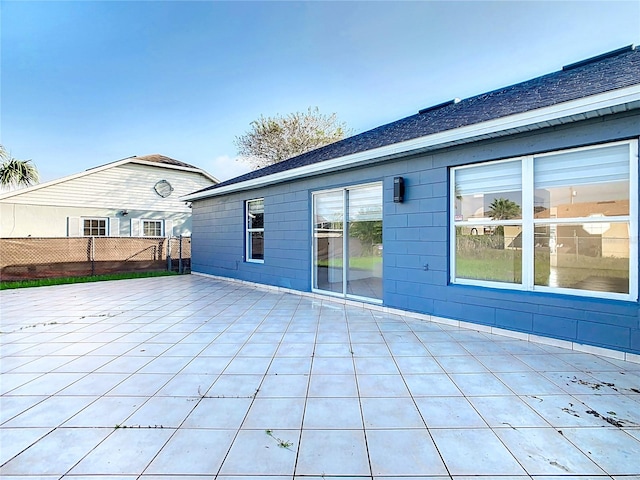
[15,173]
[503,209]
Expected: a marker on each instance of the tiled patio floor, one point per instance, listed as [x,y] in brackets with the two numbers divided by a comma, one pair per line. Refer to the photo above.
[190,377]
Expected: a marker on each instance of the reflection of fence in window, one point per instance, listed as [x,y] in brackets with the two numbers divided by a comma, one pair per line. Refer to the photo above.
[25,258]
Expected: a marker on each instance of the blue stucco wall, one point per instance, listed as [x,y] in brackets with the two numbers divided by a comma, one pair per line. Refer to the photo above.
[416,233]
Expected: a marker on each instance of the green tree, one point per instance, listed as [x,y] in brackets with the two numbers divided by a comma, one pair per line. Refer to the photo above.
[369,232]
[274,139]
[503,209]
[16,173]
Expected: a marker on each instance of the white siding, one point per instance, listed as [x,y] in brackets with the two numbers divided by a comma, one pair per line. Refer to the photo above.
[128,186]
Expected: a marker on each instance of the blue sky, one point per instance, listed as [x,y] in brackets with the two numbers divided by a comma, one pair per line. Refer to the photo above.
[85,83]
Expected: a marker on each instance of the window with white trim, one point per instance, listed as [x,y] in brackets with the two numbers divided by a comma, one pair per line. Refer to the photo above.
[94,227]
[152,228]
[563,222]
[254,248]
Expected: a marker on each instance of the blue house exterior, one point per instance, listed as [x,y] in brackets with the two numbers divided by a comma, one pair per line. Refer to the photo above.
[515,211]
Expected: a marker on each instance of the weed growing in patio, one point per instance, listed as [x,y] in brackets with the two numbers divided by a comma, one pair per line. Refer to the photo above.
[281,443]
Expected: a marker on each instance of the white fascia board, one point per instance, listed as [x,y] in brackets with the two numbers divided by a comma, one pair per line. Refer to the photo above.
[530,118]
[175,167]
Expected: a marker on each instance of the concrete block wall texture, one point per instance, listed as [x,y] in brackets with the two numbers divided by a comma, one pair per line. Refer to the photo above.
[416,233]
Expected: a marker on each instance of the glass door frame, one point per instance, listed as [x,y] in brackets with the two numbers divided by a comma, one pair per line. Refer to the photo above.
[345,241]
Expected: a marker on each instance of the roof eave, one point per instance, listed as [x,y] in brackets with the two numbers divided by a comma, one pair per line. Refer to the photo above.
[622,99]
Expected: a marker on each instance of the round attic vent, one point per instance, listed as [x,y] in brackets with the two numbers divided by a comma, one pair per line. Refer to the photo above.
[163,188]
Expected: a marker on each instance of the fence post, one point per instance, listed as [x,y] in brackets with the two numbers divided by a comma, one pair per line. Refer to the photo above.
[92,241]
[168,254]
[180,259]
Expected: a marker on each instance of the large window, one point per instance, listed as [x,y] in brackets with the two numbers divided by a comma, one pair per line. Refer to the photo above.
[255,230]
[94,227]
[563,222]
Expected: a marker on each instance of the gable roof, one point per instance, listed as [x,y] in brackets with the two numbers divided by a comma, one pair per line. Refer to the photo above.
[603,84]
[154,160]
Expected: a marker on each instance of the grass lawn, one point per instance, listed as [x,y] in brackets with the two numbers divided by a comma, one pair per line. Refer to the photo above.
[42,282]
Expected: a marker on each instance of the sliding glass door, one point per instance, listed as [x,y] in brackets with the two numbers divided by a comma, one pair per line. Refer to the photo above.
[347,242]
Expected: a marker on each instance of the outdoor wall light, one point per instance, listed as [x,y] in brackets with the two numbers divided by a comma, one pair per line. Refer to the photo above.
[398,189]
[124,213]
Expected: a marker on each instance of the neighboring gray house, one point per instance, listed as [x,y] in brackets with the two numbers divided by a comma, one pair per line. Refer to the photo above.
[515,211]
[136,196]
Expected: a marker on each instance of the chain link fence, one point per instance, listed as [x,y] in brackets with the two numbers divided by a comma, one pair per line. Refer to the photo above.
[29,258]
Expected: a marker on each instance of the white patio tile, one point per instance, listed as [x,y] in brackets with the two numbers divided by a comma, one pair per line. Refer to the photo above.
[106,412]
[432,384]
[192,452]
[94,384]
[332,452]
[529,383]
[207,365]
[124,364]
[275,414]
[382,386]
[229,386]
[619,407]
[403,452]
[544,451]
[449,412]
[248,365]
[461,364]
[284,386]
[85,364]
[332,413]
[333,386]
[390,413]
[15,440]
[295,350]
[376,365]
[42,364]
[218,413]
[126,451]
[563,411]
[333,366]
[503,363]
[11,406]
[187,385]
[473,384]
[57,452]
[507,411]
[141,384]
[165,364]
[475,452]
[423,364]
[273,454]
[290,365]
[36,383]
[167,412]
[51,412]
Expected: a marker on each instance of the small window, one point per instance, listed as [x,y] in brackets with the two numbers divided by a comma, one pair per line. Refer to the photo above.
[152,228]
[94,227]
[255,230]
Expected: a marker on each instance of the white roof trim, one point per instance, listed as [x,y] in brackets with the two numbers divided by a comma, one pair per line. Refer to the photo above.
[100,168]
[492,127]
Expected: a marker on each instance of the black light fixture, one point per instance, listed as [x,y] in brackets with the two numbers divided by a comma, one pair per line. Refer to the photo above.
[398,189]
[124,213]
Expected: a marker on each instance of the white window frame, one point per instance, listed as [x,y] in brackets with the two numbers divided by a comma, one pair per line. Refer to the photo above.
[99,219]
[146,221]
[249,231]
[528,223]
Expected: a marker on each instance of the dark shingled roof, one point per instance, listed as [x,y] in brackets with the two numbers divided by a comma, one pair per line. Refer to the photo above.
[157,158]
[610,71]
